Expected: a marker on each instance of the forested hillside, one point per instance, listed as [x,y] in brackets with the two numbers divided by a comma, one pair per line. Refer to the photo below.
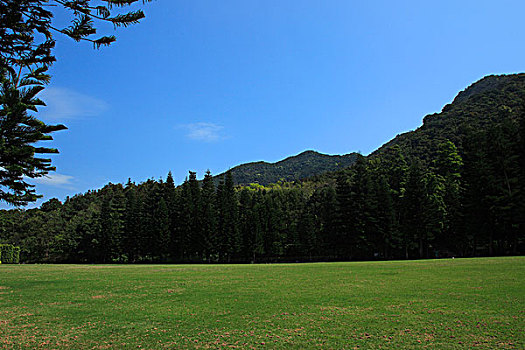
[299,167]
[479,107]
[454,187]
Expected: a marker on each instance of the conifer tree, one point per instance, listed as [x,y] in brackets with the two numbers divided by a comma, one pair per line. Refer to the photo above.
[228,219]
[274,231]
[245,216]
[343,240]
[161,231]
[448,165]
[397,172]
[148,234]
[208,217]
[521,197]
[328,213]
[364,207]
[307,232]
[88,230]
[477,191]
[132,241]
[385,216]
[170,195]
[26,44]
[412,207]
[434,212]
[355,207]
[184,231]
[505,171]
[195,234]
[257,219]
[168,192]
[111,223]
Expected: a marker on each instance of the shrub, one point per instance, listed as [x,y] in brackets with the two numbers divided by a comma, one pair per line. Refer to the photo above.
[9,254]
[16,255]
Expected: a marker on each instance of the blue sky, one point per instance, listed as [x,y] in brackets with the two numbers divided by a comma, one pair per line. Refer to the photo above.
[211,84]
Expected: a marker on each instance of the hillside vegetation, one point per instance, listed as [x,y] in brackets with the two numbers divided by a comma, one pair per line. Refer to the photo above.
[299,167]
[453,187]
[480,107]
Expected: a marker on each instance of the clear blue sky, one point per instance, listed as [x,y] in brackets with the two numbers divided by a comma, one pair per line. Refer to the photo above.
[212,84]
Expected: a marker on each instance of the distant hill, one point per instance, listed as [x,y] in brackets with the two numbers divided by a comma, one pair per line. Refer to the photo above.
[479,107]
[301,166]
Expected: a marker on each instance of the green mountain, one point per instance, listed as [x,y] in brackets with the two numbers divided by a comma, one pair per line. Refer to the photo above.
[301,166]
[460,201]
[478,108]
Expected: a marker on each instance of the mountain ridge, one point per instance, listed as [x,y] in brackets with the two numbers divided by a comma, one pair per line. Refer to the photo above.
[297,167]
[475,107]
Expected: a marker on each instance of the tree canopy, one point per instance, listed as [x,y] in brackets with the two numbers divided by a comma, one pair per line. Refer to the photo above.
[27,39]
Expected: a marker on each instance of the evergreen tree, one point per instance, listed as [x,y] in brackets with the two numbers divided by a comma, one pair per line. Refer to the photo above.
[307,232]
[208,218]
[448,165]
[170,197]
[477,192]
[132,220]
[161,231]
[412,211]
[343,241]
[386,216]
[273,229]
[365,207]
[195,234]
[111,224]
[26,44]
[19,131]
[151,192]
[257,219]
[229,219]
[503,181]
[397,169]
[328,217]
[355,211]
[520,237]
[245,223]
[90,231]
[184,231]
[434,213]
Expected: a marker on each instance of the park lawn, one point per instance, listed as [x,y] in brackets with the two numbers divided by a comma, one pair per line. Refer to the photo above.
[440,304]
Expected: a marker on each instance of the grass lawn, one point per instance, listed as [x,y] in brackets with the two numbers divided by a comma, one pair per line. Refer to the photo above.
[440,304]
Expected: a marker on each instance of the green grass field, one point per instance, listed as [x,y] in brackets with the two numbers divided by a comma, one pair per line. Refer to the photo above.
[440,304]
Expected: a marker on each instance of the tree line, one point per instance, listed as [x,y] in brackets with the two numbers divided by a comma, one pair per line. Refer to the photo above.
[394,206]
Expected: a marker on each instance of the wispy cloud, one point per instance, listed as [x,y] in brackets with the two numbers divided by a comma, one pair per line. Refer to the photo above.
[65,104]
[55,180]
[207,132]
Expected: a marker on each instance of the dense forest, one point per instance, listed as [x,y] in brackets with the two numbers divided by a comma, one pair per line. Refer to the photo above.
[454,187]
